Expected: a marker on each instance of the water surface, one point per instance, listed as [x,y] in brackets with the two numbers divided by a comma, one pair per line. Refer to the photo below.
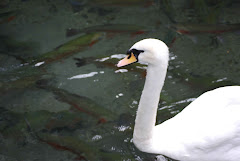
[64,99]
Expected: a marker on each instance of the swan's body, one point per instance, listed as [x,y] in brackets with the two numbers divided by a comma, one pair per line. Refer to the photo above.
[206,130]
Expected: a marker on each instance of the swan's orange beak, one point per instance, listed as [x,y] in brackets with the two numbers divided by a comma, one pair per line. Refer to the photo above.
[127,60]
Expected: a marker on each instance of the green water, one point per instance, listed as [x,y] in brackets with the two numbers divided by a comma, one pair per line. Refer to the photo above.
[78,105]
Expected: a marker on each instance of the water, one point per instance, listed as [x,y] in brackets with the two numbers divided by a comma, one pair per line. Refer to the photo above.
[79,105]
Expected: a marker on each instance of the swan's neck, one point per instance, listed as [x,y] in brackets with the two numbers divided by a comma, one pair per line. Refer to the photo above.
[147,110]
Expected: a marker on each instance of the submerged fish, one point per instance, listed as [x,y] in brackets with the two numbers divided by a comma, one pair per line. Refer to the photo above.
[111,28]
[191,28]
[121,2]
[84,149]
[79,103]
[69,48]
[8,16]
[115,3]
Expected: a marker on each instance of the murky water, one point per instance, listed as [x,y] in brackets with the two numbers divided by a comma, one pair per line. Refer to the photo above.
[63,98]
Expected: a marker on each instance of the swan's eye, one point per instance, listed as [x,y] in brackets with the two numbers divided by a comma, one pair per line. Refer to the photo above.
[134,52]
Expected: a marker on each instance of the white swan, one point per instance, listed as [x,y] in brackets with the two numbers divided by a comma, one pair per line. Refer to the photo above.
[206,130]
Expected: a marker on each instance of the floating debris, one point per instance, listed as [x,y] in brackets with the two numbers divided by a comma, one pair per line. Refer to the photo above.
[39,64]
[121,71]
[84,75]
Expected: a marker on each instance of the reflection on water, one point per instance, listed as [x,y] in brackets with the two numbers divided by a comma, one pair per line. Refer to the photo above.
[62,96]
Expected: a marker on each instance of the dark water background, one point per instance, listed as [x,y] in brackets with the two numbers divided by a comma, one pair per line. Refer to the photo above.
[63,99]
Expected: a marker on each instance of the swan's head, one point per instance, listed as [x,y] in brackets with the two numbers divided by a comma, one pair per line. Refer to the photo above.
[150,51]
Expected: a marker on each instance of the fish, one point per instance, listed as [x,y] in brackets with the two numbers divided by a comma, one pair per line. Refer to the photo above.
[109,28]
[194,28]
[80,103]
[121,2]
[76,2]
[115,3]
[8,16]
[83,149]
[25,76]
[69,48]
